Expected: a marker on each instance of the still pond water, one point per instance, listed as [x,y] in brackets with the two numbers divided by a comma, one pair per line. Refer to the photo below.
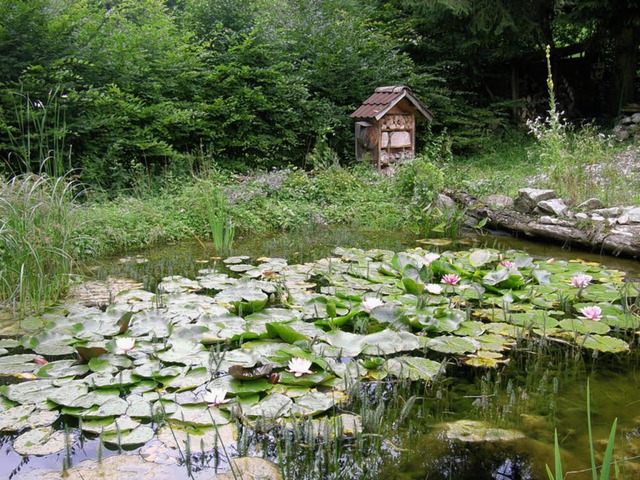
[534,394]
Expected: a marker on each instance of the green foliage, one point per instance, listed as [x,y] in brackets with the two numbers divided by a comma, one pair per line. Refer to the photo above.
[418,182]
[38,229]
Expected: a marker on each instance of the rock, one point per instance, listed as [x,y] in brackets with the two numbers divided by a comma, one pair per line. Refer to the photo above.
[591,204]
[597,218]
[528,198]
[472,431]
[498,201]
[252,468]
[548,220]
[608,212]
[555,206]
[444,202]
[582,216]
[635,118]
[621,133]
[623,219]
[634,215]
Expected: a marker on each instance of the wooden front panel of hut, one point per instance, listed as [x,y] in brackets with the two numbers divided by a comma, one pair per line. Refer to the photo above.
[385,125]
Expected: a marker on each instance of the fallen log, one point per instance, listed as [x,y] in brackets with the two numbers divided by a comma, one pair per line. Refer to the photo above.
[598,236]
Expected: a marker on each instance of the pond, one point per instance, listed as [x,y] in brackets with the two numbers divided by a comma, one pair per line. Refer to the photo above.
[464,380]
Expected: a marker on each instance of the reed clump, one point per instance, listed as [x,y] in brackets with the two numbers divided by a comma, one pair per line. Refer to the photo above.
[37,234]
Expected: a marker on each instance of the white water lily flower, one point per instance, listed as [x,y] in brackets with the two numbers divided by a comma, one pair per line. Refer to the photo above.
[434,288]
[299,366]
[370,303]
[125,344]
[216,397]
[429,258]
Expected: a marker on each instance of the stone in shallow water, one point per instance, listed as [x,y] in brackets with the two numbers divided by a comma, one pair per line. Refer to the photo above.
[252,468]
[477,432]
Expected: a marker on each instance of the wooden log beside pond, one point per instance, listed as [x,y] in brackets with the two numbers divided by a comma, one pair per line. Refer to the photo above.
[617,233]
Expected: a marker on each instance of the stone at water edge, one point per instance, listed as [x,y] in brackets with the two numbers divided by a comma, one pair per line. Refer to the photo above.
[472,431]
[555,206]
[590,204]
[528,198]
[252,468]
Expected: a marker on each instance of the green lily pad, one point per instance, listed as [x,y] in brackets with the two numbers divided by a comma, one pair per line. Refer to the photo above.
[138,436]
[42,441]
[19,417]
[453,344]
[603,343]
[583,325]
[413,368]
[272,407]
[387,342]
[311,404]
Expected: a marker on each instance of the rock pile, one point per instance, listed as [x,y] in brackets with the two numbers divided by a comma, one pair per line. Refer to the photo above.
[540,213]
[628,127]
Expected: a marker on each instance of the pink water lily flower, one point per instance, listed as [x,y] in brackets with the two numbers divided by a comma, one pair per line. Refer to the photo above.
[450,279]
[299,366]
[580,280]
[508,264]
[125,344]
[370,303]
[592,312]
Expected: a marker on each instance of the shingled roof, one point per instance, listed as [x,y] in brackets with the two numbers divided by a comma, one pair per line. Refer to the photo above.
[385,98]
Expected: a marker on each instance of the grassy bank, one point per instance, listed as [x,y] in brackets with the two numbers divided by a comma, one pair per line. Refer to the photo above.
[45,227]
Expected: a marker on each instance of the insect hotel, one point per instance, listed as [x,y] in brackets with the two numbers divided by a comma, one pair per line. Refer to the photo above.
[385,125]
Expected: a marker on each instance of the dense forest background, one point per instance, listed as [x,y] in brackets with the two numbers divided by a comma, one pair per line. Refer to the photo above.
[119,88]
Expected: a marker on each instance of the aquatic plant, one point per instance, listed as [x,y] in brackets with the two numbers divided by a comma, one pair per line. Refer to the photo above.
[37,239]
[228,331]
[607,460]
[220,223]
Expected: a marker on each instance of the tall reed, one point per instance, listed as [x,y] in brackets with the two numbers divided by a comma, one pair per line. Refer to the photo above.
[221,226]
[39,139]
[37,231]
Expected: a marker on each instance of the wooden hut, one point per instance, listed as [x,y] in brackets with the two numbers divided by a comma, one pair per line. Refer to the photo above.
[385,125]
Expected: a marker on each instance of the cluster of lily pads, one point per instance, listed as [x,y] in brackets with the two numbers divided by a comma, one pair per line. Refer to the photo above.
[278,342]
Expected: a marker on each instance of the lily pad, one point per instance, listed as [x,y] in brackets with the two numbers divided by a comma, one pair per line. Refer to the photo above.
[42,441]
[138,436]
[413,368]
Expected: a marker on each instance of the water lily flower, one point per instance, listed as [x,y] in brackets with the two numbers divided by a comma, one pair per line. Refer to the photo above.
[370,303]
[592,312]
[508,264]
[216,397]
[450,279]
[299,366]
[430,257]
[434,288]
[125,344]
[40,360]
[580,280]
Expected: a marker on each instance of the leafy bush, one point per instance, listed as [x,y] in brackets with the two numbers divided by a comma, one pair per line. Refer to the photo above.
[419,181]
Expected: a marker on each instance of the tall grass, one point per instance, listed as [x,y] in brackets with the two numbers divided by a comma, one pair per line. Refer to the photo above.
[577,160]
[39,142]
[37,230]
